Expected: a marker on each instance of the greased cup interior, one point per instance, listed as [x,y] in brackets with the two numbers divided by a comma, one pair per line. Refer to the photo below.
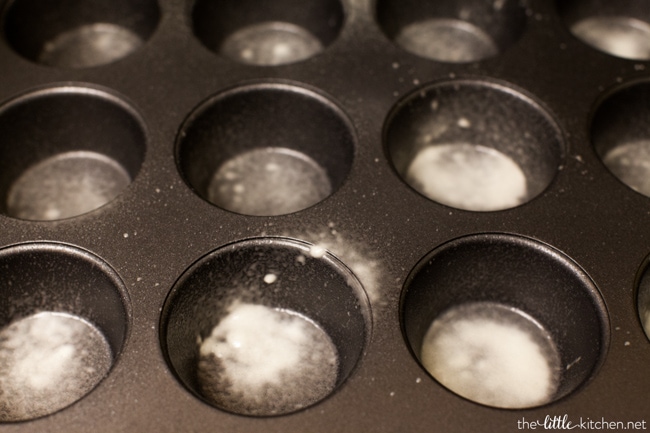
[617,28]
[473,145]
[620,134]
[643,296]
[266,149]
[265,326]
[64,320]
[267,33]
[72,150]
[79,33]
[452,31]
[504,320]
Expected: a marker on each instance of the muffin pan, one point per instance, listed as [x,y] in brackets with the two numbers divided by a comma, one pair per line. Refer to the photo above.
[170,167]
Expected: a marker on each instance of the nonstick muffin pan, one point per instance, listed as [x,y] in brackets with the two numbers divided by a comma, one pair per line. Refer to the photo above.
[391,202]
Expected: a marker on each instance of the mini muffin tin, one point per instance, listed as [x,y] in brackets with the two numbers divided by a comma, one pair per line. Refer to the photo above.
[137,142]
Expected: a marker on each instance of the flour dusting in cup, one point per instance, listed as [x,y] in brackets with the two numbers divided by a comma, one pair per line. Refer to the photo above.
[262,361]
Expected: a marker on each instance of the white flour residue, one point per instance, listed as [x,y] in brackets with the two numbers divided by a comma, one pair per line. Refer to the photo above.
[264,361]
[466,176]
[271,43]
[317,251]
[464,123]
[356,256]
[90,45]
[269,181]
[447,40]
[574,363]
[492,355]
[630,162]
[624,37]
[47,362]
[66,185]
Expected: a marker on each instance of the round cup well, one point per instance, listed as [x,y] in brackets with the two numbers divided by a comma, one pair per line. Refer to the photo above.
[63,323]
[267,33]
[79,33]
[266,149]
[452,31]
[473,145]
[230,326]
[522,301]
[620,29]
[73,149]
[620,134]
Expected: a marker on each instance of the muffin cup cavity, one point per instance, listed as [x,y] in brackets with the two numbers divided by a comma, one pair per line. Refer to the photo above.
[265,327]
[484,316]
